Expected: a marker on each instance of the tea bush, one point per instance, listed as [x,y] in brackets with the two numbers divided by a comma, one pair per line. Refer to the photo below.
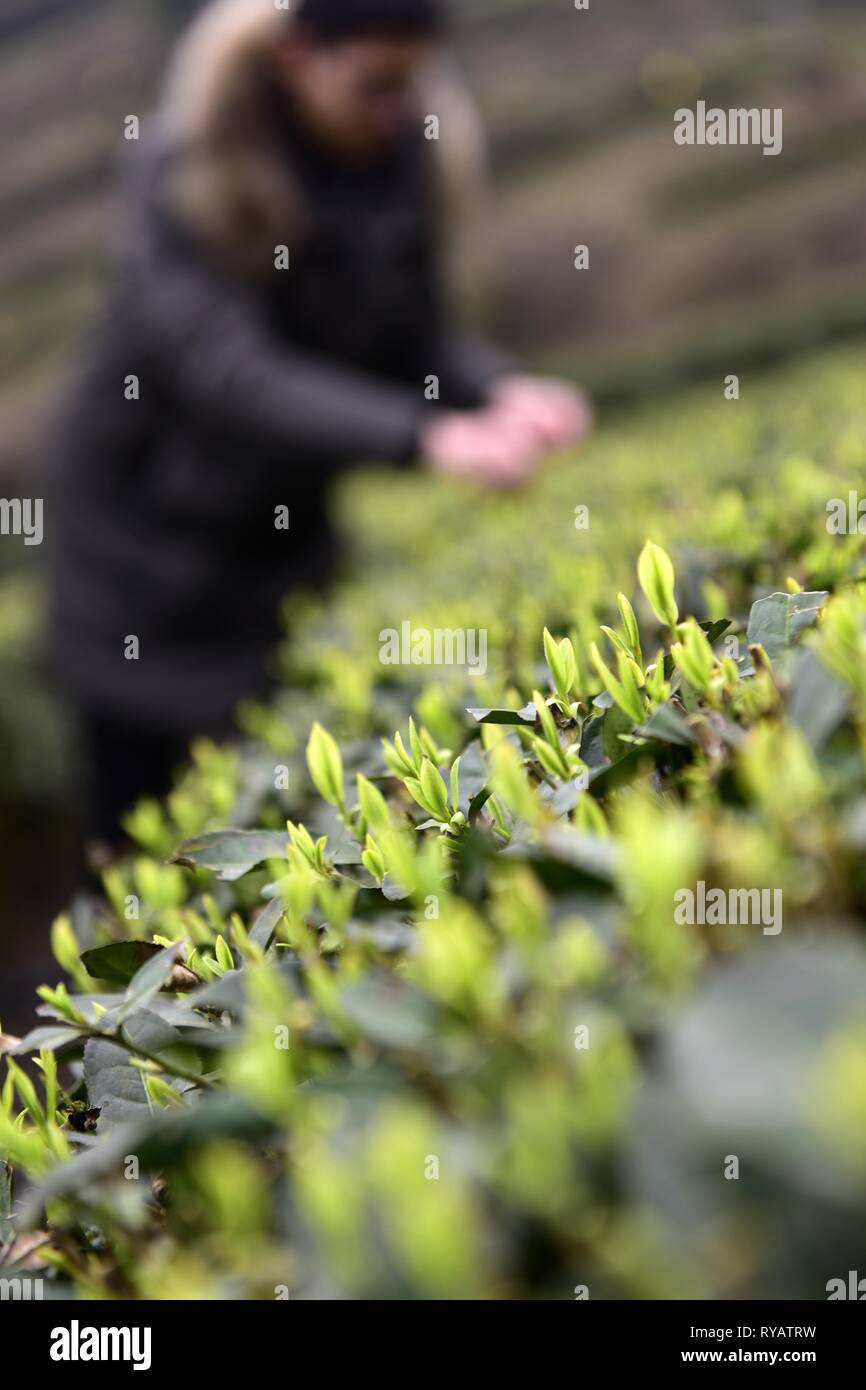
[434,1018]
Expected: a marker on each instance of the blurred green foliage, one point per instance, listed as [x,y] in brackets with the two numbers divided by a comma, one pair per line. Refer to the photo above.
[423,1024]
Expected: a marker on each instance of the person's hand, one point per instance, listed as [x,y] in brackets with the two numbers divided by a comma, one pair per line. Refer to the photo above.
[555,413]
[492,447]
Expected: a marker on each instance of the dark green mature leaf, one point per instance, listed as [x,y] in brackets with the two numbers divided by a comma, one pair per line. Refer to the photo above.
[775,622]
[474,775]
[592,742]
[526,716]
[232,853]
[854,824]
[213,1037]
[225,995]
[717,629]
[818,702]
[389,1012]
[734,1071]
[594,857]
[563,798]
[158,1140]
[172,1010]
[365,1091]
[228,994]
[265,927]
[120,962]
[51,1038]
[342,849]
[477,804]
[607,779]
[149,980]
[669,725]
[389,934]
[392,891]
[114,1086]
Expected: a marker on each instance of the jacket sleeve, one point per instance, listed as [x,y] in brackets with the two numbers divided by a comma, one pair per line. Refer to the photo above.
[211,341]
[466,365]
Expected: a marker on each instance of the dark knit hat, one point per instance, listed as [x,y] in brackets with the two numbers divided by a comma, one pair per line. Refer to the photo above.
[338,19]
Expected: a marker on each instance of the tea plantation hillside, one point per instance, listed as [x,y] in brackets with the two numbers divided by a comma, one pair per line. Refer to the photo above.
[546,981]
[738,489]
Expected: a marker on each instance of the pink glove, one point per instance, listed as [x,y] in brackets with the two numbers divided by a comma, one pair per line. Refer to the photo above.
[491,447]
[554,412]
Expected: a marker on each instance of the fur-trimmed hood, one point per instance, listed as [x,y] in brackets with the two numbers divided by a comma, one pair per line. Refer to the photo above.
[226,180]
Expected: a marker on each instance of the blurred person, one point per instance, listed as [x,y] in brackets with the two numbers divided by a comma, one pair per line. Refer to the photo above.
[219,391]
